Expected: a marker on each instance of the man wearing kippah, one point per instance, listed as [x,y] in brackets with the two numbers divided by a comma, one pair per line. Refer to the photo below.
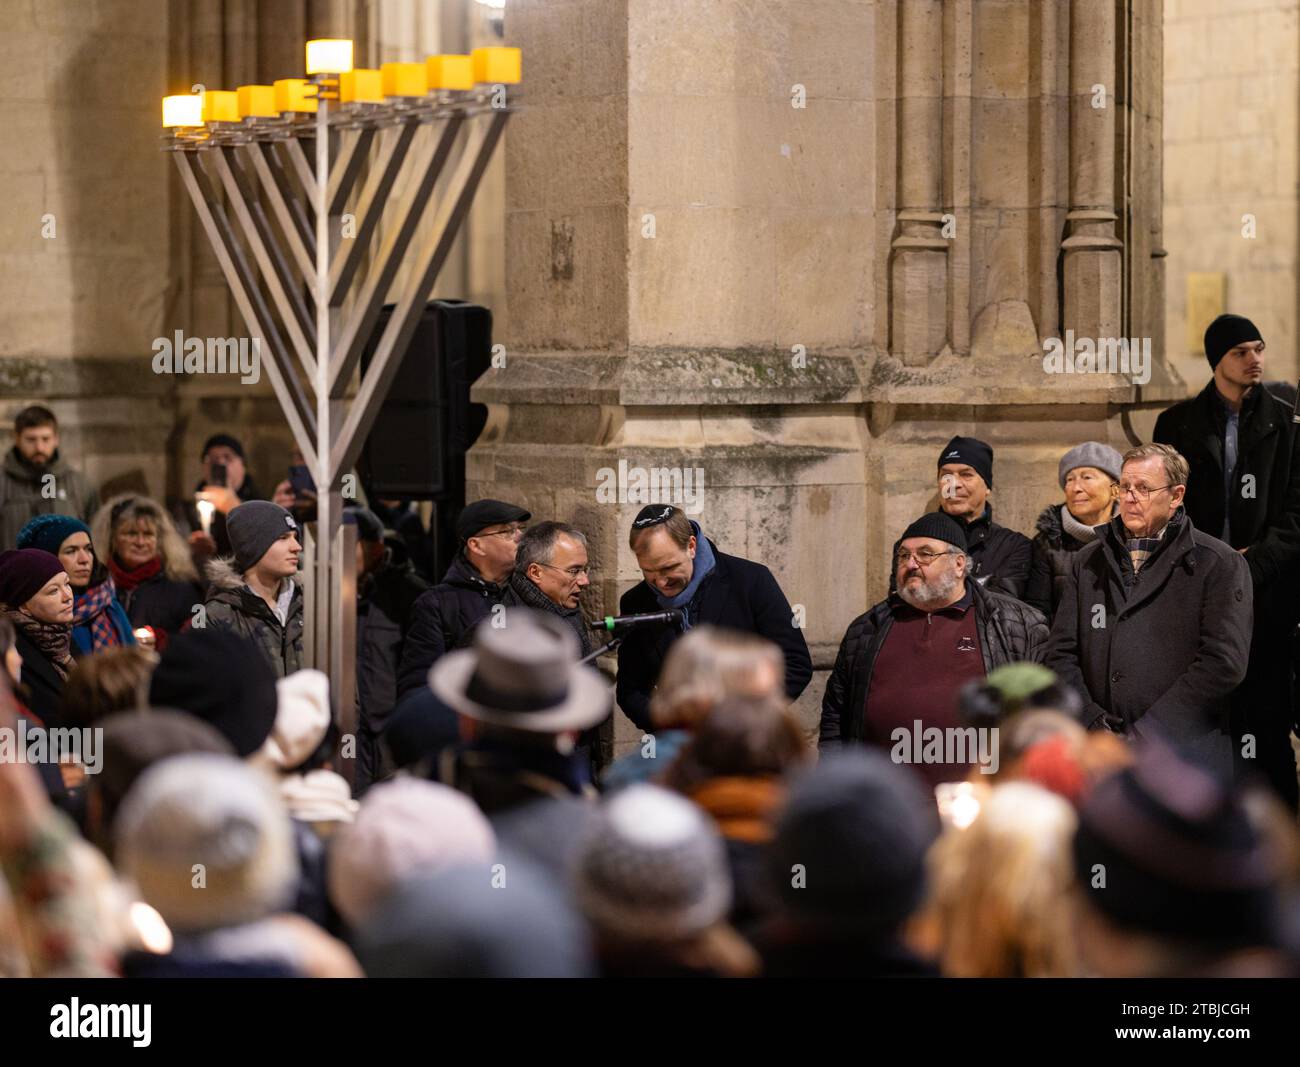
[254,592]
[907,658]
[1244,488]
[685,571]
[998,557]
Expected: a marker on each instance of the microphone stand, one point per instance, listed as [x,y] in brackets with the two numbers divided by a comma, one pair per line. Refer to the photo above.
[609,646]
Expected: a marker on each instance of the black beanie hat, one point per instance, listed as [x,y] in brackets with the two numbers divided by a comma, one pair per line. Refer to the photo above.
[939,525]
[850,843]
[221,678]
[1225,332]
[223,440]
[254,527]
[1179,854]
[972,451]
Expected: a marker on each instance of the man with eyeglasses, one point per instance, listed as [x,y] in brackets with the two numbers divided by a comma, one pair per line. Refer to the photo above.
[1243,451]
[1154,630]
[443,617]
[908,657]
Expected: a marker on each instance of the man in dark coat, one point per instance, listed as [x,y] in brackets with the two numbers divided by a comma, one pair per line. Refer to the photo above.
[908,657]
[684,570]
[387,588]
[1244,487]
[997,557]
[1154,631]
[220,451]
[489,531]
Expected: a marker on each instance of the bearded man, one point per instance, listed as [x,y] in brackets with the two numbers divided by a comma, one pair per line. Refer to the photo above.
[907,658]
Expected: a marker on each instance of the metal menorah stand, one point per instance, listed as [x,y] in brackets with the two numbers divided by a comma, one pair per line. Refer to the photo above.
[300,285]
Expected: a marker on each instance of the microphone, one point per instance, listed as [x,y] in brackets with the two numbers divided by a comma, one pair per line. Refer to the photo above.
[1295,411]
[623,622]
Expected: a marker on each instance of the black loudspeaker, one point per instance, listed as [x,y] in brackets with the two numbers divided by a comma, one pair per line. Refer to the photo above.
[417,445]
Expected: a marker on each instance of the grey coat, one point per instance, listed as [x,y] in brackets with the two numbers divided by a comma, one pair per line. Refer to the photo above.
[24,494]
[1166,653]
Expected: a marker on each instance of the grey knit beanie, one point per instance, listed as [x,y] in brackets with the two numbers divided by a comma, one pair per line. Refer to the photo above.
[652,868]
[1091,454]
[254,527]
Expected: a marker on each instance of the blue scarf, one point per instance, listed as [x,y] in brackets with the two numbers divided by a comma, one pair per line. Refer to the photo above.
[704,564]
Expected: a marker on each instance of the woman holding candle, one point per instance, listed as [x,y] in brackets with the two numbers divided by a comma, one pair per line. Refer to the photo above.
[150,563]
[98,620]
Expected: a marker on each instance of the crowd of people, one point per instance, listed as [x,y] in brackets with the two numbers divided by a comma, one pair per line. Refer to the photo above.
[1071,755]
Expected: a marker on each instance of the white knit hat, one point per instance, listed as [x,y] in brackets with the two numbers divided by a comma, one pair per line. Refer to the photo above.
[403,825]
[302,718]
[207,842]
[652,867]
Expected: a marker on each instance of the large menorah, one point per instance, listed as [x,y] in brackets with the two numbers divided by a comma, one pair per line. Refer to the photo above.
[273,171]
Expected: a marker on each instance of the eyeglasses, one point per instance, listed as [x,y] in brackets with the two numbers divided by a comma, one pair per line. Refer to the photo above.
[515,529]
[572,572]
[923,558]
[1141,492]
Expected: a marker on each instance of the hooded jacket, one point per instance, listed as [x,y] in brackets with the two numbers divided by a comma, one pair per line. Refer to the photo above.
[22,494]
[233,605]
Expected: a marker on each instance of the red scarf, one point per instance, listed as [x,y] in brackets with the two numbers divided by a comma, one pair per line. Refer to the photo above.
[127,580]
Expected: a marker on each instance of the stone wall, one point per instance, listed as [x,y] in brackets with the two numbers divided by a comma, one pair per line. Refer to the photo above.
[1232,87]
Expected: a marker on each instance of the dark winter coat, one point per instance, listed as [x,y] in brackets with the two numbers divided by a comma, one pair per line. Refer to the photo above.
[1053,557]
[161,602]
[440,619]
[739,595]
[232,605]
[999,557]
[1268,449]
[383,621]
[1010,631]
[23,494]
[44,684]
[1167,652]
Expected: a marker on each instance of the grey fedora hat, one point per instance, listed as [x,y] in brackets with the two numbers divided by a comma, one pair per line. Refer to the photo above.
[523,675]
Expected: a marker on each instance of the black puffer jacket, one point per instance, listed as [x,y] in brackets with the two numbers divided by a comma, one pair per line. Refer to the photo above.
[161,602]
[1049,570]
[1010,632]
[441,618]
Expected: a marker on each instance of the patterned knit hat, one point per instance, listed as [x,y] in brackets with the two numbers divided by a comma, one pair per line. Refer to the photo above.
[652,868]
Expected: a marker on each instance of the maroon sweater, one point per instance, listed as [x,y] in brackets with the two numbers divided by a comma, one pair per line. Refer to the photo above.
[918,674]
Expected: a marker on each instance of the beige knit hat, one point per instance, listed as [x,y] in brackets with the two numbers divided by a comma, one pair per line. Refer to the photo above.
[207,842]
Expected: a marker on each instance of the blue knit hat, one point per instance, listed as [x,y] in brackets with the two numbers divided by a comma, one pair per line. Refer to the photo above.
[48,532]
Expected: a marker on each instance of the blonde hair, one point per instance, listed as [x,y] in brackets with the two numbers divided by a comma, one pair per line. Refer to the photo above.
[707,664]
[131,507]
[1000,888]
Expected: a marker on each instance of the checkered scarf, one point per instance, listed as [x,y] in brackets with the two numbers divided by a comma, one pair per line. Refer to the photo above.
[92,606]
[1140,549]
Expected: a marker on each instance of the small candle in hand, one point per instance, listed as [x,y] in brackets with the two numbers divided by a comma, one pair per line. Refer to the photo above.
[205,509]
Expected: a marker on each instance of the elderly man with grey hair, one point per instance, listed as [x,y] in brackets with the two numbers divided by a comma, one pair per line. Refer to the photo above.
[1154,628]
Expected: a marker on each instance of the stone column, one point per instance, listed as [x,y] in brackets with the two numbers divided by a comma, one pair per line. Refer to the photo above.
[1093,267]
[919,270]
